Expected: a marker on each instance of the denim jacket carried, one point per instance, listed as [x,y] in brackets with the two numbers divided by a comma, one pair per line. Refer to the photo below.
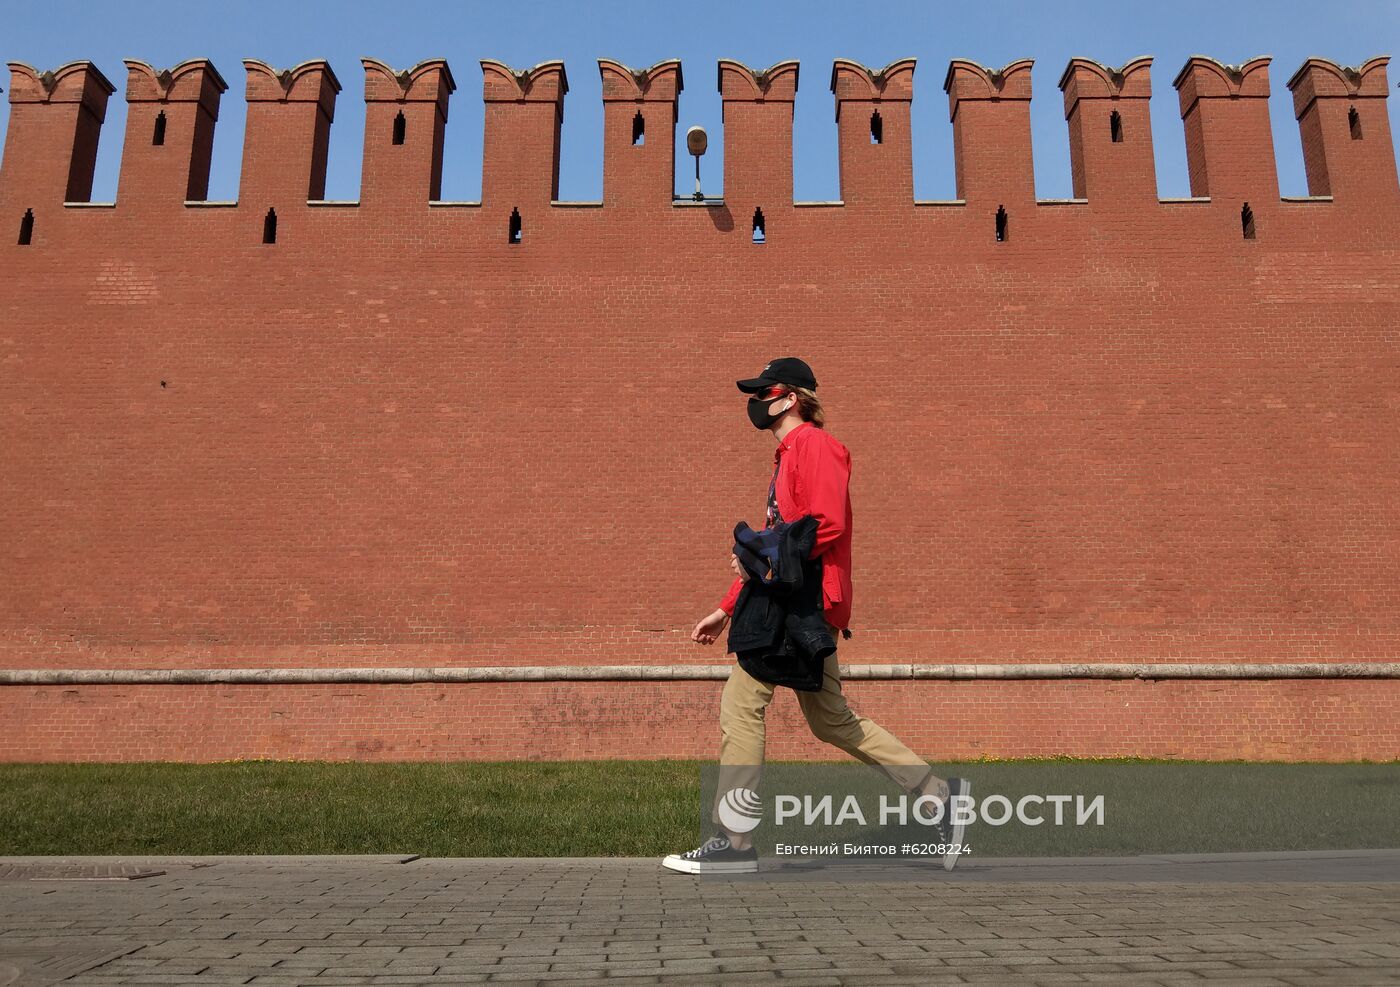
[778,631]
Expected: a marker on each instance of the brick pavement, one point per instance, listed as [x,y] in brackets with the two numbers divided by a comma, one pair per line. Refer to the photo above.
[405,920]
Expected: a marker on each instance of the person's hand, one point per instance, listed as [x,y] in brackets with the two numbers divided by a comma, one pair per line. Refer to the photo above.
[739,568]
[707,631]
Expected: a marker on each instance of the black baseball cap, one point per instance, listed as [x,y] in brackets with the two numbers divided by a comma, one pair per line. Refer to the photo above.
[784,370]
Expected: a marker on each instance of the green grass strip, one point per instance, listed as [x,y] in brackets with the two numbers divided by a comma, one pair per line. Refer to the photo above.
[644,808]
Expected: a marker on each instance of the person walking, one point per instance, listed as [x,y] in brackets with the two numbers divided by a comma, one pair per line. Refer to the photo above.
[811,475]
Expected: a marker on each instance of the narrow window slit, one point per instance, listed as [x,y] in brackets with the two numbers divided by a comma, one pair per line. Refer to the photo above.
[639,130]
[1354,121]
[1115,127]
[759,235]
[515,230]
[1001,223]
[158,137]
[270,226]
[877,128]
[1247,221]
[400,126]
[26,228]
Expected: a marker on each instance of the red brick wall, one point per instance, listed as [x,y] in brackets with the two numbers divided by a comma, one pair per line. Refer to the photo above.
[1248,719]
[393,438]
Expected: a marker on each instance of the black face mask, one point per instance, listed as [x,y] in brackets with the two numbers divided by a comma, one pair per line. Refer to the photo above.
[758,412]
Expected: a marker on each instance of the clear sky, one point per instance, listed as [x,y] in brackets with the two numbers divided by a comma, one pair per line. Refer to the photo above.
[638,34]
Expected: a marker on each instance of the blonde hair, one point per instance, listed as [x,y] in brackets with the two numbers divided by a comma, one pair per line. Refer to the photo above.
[809,406]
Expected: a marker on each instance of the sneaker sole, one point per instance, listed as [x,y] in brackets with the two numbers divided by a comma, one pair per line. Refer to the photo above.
[695,867]
[950,860]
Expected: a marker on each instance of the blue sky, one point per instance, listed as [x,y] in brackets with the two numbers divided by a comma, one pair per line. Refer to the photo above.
[641,33]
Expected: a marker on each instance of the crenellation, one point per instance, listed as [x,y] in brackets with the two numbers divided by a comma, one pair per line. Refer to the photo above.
[1109,115]
[287,136]
[661,82]
[874,140]
[1345,128]
[428,81]
[170,122]
[777,83]
[640,112]
[73,82]
[524,114]
[990,113]
[1229,141]
[405,126]
[756,108]
[968,80]
[193,80]
[57,115]
[850,80]
[1206,77]
[543,82]
[55,122]
[309,81]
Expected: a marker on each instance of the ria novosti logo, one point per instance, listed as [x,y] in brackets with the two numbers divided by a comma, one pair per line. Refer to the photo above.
[925,810]
[741,810]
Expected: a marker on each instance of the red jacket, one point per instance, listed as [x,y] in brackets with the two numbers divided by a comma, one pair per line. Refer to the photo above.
[814,472]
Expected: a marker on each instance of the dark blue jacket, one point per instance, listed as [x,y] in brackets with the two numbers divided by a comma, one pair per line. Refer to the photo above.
[759,552]
[778,631]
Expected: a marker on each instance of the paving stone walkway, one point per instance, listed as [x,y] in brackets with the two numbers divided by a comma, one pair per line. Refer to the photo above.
[408,920]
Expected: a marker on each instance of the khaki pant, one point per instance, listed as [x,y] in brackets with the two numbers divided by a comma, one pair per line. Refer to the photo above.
[741,720]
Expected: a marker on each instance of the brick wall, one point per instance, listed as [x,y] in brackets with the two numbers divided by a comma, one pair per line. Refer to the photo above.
[1125,431]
